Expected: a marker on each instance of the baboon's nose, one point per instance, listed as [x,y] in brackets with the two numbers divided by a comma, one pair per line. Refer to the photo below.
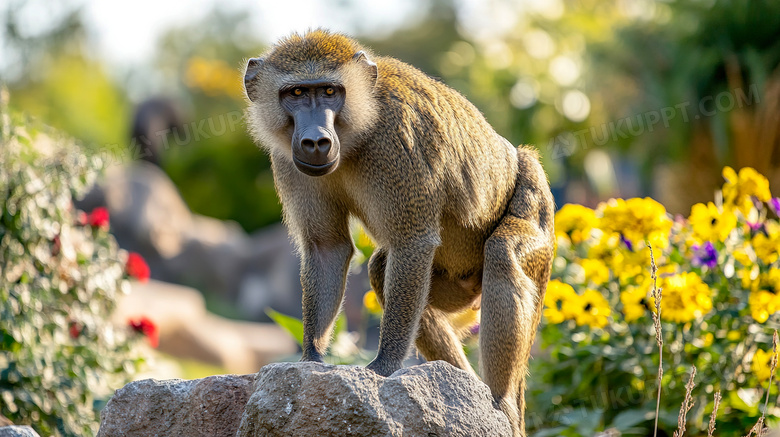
[316,146]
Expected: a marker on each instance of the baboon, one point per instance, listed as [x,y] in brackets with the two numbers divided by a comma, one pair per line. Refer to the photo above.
[458,213]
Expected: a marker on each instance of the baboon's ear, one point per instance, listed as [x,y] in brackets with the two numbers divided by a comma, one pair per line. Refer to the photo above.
[253,66]
[362,58]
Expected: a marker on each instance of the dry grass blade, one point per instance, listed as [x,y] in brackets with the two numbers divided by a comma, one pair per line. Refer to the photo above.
[686,406]
[711,427]
[758,428]
[656,294]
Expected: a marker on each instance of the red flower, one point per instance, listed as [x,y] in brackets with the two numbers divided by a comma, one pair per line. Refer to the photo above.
[137,267]
[74,329]
[98,218]
[147,328]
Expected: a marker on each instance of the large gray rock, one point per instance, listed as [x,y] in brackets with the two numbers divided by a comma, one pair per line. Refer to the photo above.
[17,431]
[208,407]
[312,399]
[309,400]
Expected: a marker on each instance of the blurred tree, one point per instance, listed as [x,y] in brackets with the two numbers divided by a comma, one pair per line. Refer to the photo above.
[50,77]
[715,67]
[213,162]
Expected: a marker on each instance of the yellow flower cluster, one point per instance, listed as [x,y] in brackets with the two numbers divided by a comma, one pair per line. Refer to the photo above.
[685,297]
[761,366]
[212,76]
[612,239]
[710,223]
[637,220]
[575,222]
[740,187]
[563,303]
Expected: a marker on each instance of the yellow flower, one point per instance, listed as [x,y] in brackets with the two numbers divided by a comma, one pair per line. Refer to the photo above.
[739,188]
[766,245]
[772,280]
[761,366]
[637,220]
[685,297]
[743,257]
[595,271]
[560,302]
[575,222]
[635,303]
[749,277]
[465,319]
[710,224]
[763,303]
[371,302]
[734,335]
[593,309]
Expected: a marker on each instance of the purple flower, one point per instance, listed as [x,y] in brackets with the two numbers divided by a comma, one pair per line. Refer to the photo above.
[755,227]
[775,204]
[704,255]
[627,242]
[475,329]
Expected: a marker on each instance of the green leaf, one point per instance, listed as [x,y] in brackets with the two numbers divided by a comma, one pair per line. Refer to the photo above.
[550,432]
[341,325]
[630,418]
[290,324]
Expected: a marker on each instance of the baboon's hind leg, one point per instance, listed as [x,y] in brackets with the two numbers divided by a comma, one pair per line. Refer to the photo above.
[518,258]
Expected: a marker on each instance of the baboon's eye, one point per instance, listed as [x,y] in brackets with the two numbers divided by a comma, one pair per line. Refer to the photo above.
[297,91]
[330,91]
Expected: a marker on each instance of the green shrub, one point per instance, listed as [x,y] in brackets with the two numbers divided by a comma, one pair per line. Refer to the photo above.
[60,357]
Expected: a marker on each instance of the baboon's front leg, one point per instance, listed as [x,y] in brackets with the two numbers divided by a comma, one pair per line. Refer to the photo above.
[323,277]
[406,285]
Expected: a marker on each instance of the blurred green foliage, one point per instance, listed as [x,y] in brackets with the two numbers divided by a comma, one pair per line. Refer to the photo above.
[60,355]
[551,74]
[223,176]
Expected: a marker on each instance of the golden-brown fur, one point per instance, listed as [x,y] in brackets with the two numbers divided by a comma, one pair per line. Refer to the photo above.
[458,213]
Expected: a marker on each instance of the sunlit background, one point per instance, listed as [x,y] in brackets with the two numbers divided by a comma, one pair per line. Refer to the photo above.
[627,98]
[622,98]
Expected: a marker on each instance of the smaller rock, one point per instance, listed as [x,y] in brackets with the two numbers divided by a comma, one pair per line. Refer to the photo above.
[17,431]
[187,330]
[203,407]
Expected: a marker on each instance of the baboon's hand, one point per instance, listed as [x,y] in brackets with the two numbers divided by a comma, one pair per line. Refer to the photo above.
[383,367]
[312,357]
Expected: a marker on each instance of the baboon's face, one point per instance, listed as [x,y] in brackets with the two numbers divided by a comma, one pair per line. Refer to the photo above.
[297,99]
[314,106]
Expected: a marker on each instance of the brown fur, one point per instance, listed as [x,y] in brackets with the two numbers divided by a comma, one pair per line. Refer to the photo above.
[458,214]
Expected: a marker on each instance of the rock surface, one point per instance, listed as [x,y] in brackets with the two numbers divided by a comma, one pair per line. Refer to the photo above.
[203,407]
[17,431]
[312,399]
[309,400]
